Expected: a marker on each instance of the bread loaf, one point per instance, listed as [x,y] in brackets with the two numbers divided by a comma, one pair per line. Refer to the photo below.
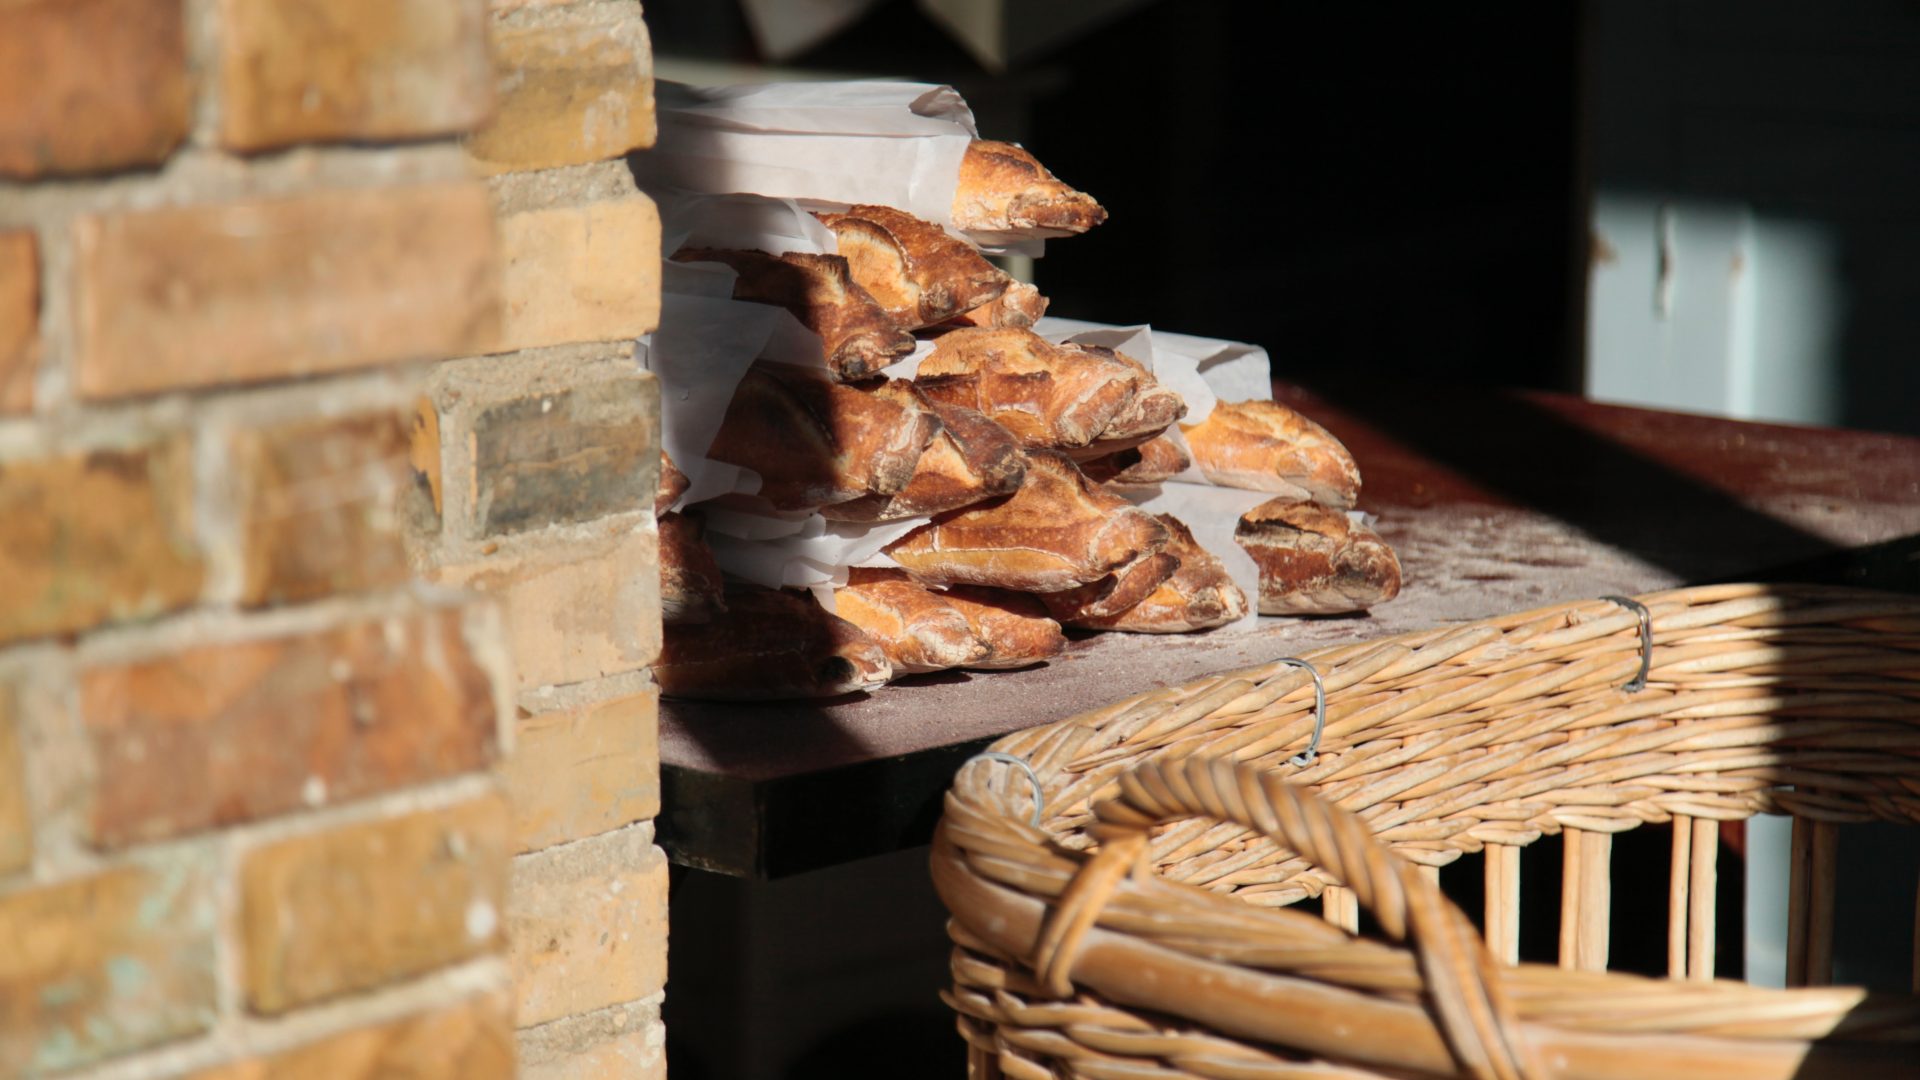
[918,273]
[1081,399]
[1155,461]
[1113,594]
[1020,306]
[970,460]
[855,332]
[768,644]
[1004,189]
[673,484]
[1014,627]
[1315,559]
[1198,596]
[1056,532]
[816,442]
[916,627]
[690,584]
[1265,446]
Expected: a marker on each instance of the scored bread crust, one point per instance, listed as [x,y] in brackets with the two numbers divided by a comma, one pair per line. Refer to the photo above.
[673,484]
[1015,627]
[769,644]
[1020,306]
[970,460]
[691,587]
[855,332]
[1266,446]
[1199,595]
[918,273]
[1056,532]
[1003,188]
[1155,461]
[916,627]
[1051,397]
[1113,594]
[815,442]
[1315,559]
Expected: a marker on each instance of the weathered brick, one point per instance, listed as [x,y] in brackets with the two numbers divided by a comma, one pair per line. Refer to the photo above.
[586,771]
[105,965]
[319,506]
[625,1042]
[16,821]
[224,733]
[568,456]
[296,71]
[423,450]
[205,295]
[472,1041]
[583,273]
[570,93]
[90,85]
[19,318]
[328,914]
[96,537]
[587,925]
[578,612]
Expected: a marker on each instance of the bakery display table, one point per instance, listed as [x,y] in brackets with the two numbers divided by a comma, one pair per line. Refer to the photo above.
[1496,501]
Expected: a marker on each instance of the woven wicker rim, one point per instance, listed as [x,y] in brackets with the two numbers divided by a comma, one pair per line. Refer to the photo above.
[1760,699]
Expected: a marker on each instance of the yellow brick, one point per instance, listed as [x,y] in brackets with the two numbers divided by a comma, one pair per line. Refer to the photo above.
[586,273]
[570,93]
[16,824]
[585,771]
[19,319]
[473,1041]
[587,925]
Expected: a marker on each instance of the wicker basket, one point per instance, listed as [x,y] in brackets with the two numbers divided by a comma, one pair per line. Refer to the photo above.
[1120,928]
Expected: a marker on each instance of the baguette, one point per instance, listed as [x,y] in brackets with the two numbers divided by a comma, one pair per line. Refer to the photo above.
[1015,627]
[916,627]
[673,484]
[970,460]
[1315,559]
[769,644]
[1113,594]
[1056,532]
[691,588]
[816,442]
[1020,306]
[1199,595]
[920,275]
[1004,189]
[1265,446]
[855,332]
[1082,399]
[1155,461]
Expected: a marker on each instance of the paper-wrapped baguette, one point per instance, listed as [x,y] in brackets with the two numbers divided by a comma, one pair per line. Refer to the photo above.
[1015,627]
[769,644]
[1082,399]
[690,583]
[1113,594]
[920,275]
[816,442]
[1155,461]
[1021,306]
[916,627]
[970,460]
[855,332]
[673,484]
[1057,532]
[1004,189]
[1266,446]
[1316,559]
[1199,595]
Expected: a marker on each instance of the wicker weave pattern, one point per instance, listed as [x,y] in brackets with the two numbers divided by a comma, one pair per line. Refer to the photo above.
[1760,700]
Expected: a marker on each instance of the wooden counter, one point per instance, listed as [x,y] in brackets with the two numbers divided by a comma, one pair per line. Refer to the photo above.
[1495,502]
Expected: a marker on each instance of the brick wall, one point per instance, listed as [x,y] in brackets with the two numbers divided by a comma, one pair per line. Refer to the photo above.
[261,807]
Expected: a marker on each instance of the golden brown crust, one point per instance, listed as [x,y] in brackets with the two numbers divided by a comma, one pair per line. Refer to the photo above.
[1057,532]
[1198,596]
[1316,560]
[691,588]
[1155,461]
[855,332]
[916,627]
[1266,446]
[1015,627]
[1020,306]
[1053,397]
[917,272]
[769,644]
[1113,594]
[816,442]
[1004,189]
[970,460]
[673,484]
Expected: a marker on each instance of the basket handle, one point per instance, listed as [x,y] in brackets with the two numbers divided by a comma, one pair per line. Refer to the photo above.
[1458,970]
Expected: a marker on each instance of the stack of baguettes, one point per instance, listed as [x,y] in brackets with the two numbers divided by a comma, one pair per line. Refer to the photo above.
[1018,452]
